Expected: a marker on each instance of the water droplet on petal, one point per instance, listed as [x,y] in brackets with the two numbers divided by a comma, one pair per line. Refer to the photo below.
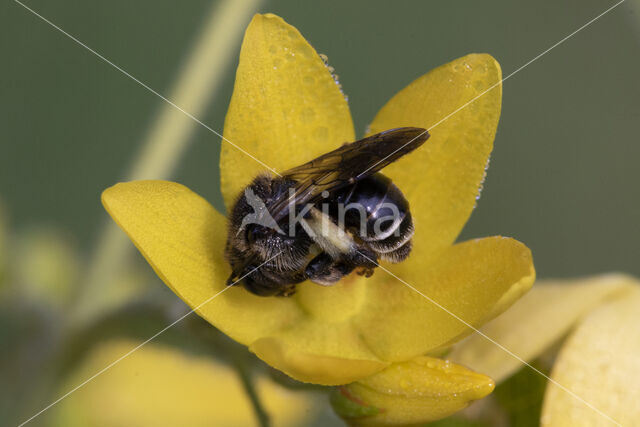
[481,186]
[479,85]
[307,115]
[332,70]
[321,133]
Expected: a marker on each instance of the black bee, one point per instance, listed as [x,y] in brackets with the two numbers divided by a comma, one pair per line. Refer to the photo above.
[324,219]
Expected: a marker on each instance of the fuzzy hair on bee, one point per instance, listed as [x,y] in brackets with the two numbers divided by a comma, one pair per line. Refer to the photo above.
[251,244]
[324,219]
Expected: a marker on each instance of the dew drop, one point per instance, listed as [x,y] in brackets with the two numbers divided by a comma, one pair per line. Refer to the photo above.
[481,186]
[321,133]
[307,115]
[332,70]
[304,50]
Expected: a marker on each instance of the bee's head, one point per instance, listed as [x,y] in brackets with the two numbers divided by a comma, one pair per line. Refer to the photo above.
[247,249]
[256,234]
[262,257]
[250,271]
[258,286]
[254,281]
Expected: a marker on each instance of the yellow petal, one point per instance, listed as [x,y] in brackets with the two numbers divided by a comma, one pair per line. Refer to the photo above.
[468,280]
[443,178]
[414,392]
[600,364]
[319,352]
[323,347]
[183,238]
[159,386]
[286,108]
[535,323]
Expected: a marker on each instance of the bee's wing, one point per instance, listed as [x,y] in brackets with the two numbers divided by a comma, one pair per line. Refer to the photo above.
[346,165]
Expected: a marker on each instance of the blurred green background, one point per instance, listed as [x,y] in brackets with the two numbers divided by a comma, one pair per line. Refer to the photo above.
[564,175]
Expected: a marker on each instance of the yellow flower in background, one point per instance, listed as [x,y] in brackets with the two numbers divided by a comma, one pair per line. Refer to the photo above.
[45,266]
[287,109]
[160,386]
[598,361]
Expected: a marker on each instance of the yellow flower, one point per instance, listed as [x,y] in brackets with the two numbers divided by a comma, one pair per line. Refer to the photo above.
[159,386]
[598,362]
[287,109]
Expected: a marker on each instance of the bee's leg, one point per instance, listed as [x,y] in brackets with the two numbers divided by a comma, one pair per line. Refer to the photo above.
[287,291]
[326,271]
[365,271]
[363,257]
[365,261]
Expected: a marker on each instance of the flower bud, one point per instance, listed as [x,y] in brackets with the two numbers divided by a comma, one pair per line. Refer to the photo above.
[421,390]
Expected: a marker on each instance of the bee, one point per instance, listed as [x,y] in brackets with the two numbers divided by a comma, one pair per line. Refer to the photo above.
[324,219]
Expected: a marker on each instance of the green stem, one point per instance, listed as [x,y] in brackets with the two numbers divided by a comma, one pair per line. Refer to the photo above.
[236,355]
[247,381]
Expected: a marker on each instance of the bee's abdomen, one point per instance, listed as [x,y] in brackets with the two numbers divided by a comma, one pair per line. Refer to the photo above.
[397,245]
[375,211]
